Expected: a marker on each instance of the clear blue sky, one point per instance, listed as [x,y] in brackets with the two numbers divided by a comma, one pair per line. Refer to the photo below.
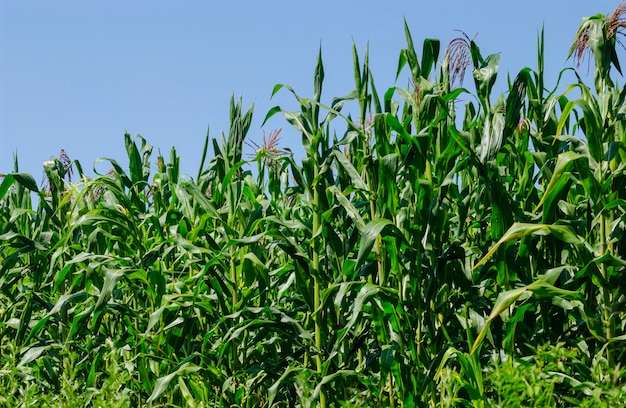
[78,74]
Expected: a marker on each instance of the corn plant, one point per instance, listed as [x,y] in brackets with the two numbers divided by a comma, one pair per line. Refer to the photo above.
[421,253]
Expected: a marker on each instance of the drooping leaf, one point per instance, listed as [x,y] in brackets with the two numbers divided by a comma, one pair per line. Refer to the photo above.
[368,237]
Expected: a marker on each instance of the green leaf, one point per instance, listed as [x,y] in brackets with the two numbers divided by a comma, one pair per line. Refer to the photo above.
[491,140]
[355,177]
[562,161]
[564,118]
[110,281]
[368,237]
[539,287]
[317,85]
[163,382]
[515,101]
[7,182]
[520,230]
[32,353]
[351,210]
[430,53]
[24,179]
[411,55]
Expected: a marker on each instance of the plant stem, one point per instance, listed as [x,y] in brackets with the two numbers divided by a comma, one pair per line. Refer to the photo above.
[317,313]
[233,276]
[606,293]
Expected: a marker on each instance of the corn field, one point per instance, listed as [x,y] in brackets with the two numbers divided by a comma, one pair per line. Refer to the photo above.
[413,257]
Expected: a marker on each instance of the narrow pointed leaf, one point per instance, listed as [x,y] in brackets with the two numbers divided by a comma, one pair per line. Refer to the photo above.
[368,237]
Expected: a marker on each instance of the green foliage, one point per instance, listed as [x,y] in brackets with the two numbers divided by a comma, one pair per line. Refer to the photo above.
[413,257]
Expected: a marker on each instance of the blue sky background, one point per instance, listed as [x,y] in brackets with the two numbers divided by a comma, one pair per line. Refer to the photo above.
[76,75]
